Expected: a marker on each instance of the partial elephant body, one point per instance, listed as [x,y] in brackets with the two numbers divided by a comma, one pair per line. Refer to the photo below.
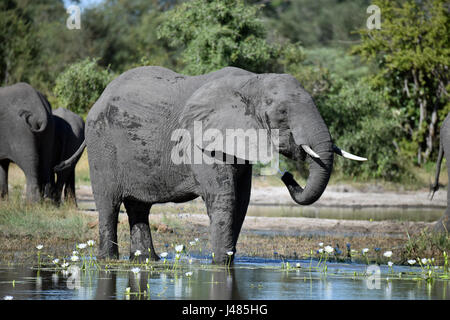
[26,138]
[129,137]
[69,135]
[443,225]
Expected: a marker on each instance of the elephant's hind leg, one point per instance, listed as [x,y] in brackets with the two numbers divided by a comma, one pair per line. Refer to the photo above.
[108,215]
[69,188]
[140,234]
[4,165]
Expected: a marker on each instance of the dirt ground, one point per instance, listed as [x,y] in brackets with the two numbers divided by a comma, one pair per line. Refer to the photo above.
[340,196]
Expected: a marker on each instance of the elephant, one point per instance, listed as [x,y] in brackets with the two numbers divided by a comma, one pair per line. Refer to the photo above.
[130,139]
[26,138]
[69,135]
[443,224]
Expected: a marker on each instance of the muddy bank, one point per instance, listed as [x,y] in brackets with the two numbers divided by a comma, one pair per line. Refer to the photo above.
[194,213]
[339,196]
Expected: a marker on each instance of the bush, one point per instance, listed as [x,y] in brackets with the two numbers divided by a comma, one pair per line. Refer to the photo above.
[361,123]
[218,33]
[80,85]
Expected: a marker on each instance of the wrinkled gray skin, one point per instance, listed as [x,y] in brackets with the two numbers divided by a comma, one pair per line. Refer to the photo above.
[128,137]
[26,138]
[69,135]
[443,224]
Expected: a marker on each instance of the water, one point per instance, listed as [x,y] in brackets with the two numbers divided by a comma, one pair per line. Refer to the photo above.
[375,214]
[253,279]
[343,213]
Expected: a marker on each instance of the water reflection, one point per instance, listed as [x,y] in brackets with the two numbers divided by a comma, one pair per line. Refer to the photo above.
[245,281]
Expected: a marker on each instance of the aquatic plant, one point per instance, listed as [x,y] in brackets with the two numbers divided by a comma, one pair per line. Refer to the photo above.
[230,254]
[39,248]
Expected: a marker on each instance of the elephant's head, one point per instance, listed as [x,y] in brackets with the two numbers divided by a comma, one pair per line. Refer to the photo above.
[269,101]
[34,108]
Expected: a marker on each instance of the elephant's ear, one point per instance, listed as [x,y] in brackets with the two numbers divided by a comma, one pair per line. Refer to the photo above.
[223,116]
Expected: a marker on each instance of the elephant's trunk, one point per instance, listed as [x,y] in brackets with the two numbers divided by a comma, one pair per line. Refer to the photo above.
[319,174]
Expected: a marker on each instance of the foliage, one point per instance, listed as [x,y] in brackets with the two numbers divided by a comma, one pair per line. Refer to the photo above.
[413,61]
[80,85]
[213,34]
[319,22]
[16,43]
[361,123]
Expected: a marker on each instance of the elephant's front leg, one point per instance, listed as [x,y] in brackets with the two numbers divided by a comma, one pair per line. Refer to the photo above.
[221,208]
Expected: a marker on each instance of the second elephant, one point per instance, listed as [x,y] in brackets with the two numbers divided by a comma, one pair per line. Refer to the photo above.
[444,149]
[69,135]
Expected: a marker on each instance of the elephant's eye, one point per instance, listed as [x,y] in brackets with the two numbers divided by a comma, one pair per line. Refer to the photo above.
[269,101]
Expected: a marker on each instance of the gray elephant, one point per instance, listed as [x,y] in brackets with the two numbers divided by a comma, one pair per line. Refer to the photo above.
[443,224]
[69,135]
[133,156]
[26,138]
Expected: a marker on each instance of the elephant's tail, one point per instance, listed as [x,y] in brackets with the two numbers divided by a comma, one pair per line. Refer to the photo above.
[435,185]
[73,159]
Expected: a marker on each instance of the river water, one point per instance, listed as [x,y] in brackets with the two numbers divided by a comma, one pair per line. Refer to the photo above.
[250,278]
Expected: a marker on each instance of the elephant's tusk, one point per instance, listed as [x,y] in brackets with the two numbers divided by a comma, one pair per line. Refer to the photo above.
[310,151]
[347,155]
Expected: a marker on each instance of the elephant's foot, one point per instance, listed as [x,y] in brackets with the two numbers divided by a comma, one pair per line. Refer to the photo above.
[108,249]
[442,225]
[108,254]
[141,243]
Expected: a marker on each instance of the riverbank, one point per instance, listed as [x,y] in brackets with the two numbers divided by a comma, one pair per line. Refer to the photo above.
[60,229]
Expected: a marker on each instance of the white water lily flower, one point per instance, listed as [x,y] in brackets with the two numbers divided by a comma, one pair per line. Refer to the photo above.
[163,254]
[177,256]
[297,265]
[365,250]
[424,261]
[55,261]
[196,239]
[320,250]
[321,244]
[7,297]
[135,270]
[390,263]
[411,261]
[387,254]
[188,274]
[90,243]
[65,265]
[192,243]
[329,249]
[179,248]
[127,290]
[75,253]
[39,246]
[138,253]
[81,246]
[74,258]
[230,253]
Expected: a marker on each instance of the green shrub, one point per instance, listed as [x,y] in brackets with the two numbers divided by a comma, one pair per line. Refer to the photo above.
[361,123]
[80,85]
[212,34]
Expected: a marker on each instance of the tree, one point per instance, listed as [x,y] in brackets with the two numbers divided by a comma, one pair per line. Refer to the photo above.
[17,46]
[412,52]
[80,85]
[212,34]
